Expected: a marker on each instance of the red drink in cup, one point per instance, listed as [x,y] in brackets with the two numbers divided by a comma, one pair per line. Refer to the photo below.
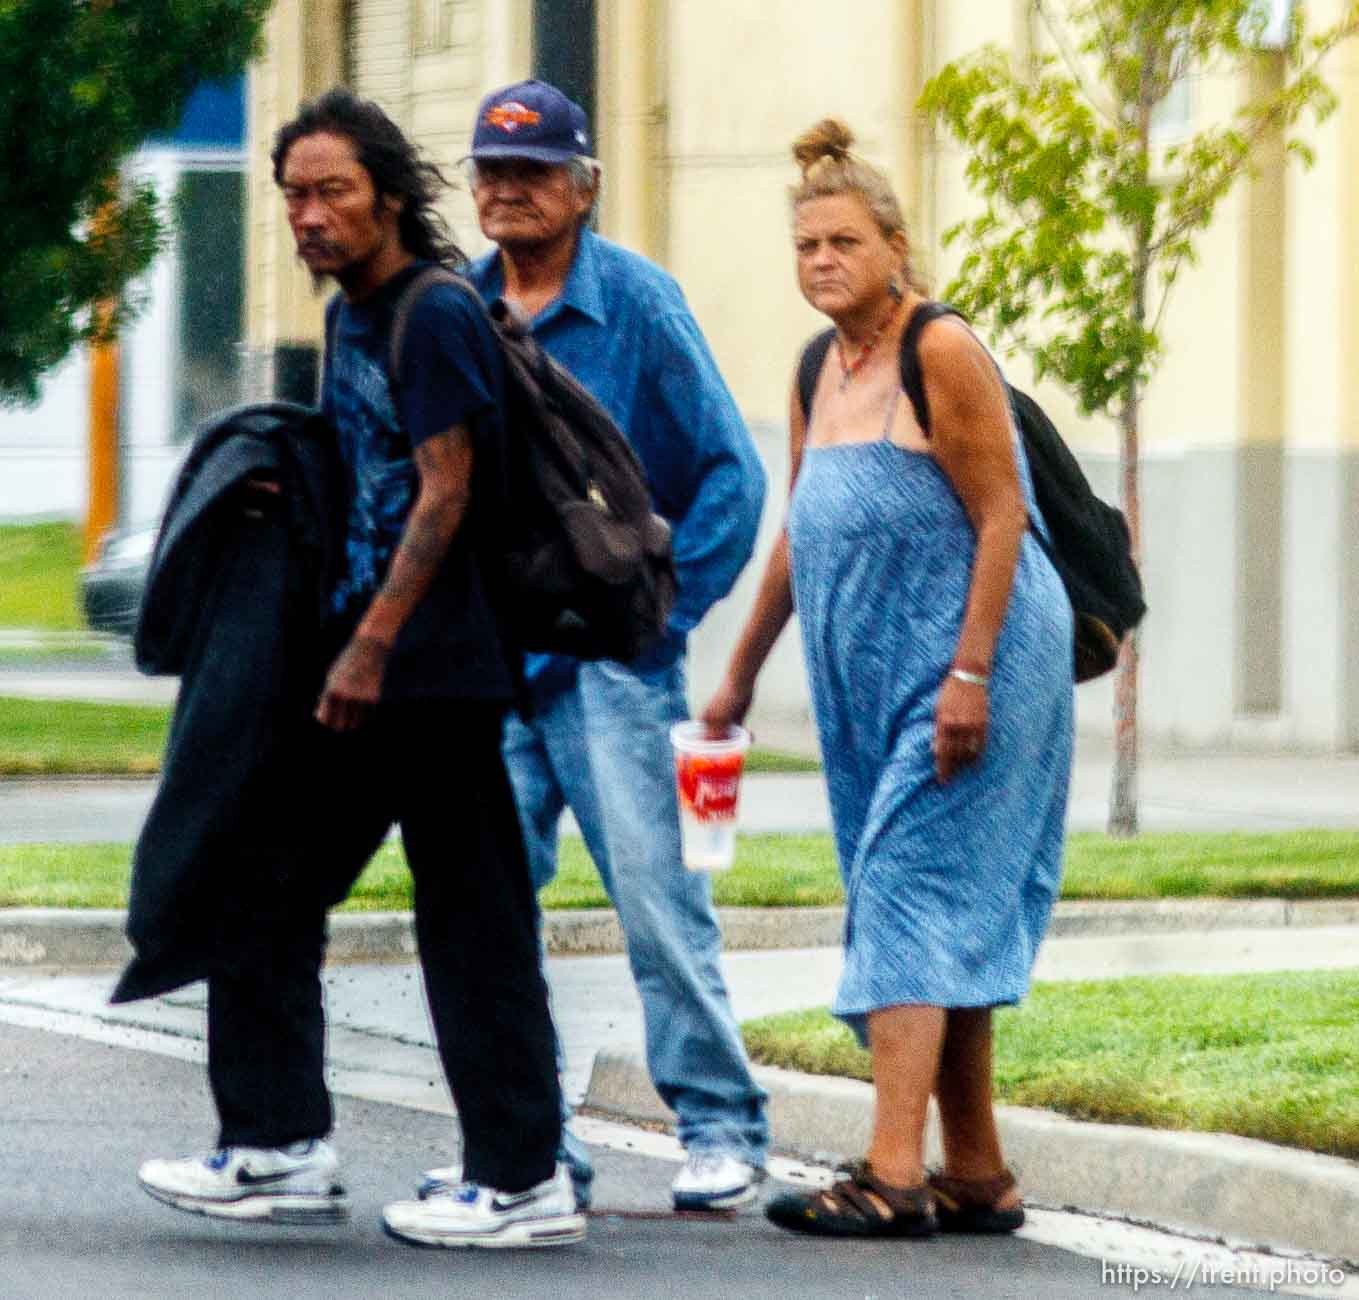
[708,782]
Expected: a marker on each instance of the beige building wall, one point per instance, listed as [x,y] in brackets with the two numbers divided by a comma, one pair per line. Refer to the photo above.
[633,122]
[427,62]
[1321,471]
[1250,427]
[304,53]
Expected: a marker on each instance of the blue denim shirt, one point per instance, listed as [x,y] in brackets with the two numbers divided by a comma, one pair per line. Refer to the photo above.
[621,326]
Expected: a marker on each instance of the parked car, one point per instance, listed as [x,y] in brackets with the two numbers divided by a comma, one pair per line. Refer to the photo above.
[111,585]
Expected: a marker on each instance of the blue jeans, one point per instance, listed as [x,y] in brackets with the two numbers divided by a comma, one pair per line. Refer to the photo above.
[602,747]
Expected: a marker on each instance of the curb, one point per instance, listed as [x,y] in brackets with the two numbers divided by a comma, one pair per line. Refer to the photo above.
[1241,1189]
[1072,919]
[74,939]
[67,939]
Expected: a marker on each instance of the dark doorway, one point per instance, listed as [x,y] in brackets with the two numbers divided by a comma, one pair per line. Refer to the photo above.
[564,35]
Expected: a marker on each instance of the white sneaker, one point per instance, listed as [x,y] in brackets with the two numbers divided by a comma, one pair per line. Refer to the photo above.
[715,1180]
[472,1215]
[292,1184]
[572,1152]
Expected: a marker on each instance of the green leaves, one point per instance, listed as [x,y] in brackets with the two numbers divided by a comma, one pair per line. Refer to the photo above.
[81,85]
[1086,220]
[1040,269]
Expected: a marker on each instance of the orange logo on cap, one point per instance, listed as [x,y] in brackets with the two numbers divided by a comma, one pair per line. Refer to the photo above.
[511,116]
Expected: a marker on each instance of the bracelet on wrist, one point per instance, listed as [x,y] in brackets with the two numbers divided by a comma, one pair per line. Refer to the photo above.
[971,678]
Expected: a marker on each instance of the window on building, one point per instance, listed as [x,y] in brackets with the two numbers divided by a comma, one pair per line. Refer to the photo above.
[432,23]
[1174,115]
[209,232]
[1267,23]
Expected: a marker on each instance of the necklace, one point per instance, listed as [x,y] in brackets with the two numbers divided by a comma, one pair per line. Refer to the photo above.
[847,369]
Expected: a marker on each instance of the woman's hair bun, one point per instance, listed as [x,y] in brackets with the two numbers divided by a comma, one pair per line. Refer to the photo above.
[829,138]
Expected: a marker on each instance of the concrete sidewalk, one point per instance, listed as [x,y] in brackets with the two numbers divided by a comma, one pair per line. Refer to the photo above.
[1178,793]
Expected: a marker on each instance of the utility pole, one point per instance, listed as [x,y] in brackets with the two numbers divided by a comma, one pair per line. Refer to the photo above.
[102,462]
[101,511]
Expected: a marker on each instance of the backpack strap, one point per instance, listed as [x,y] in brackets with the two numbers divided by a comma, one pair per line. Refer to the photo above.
[913,384]
[405,305]
[809,367]
[912,381]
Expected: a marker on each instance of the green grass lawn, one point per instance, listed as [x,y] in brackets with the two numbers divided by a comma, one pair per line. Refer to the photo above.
[38,568]
[1238,864]
[1271,1056]
[800,870]
[795,871]
[64,737]
[96,875]
[79,738]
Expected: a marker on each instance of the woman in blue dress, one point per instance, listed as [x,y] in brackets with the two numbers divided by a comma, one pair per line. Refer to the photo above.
[937,639]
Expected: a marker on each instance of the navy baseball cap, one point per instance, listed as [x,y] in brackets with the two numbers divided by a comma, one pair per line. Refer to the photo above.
[533,120]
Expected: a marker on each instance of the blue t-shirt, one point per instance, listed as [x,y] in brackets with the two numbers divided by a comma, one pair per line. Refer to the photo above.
[451,374]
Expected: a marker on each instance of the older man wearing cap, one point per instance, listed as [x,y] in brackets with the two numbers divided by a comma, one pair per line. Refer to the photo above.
[598,737]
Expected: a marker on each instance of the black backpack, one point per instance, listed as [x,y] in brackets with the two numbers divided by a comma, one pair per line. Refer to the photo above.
[581,563]
[1090,546]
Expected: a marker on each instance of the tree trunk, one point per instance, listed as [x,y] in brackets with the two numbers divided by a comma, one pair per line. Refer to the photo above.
[1123,794]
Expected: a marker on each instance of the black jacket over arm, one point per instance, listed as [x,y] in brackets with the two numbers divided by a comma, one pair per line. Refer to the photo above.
[234,605]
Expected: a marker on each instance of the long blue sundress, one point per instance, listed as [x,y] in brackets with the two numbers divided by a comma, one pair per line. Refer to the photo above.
[949,887]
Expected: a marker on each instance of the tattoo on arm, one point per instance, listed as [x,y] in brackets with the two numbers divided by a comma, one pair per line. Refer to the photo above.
[436,514]
[419,553]
[444,463]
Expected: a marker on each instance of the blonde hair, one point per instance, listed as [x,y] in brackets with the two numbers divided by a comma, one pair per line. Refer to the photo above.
[822,153]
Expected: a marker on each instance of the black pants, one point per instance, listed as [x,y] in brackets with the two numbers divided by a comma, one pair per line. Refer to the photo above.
[436,769]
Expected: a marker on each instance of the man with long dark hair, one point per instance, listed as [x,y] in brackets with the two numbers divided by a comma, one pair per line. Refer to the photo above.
[412,684]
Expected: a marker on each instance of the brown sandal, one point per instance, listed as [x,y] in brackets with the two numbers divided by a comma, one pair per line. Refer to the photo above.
[853,1207]
[969,1204]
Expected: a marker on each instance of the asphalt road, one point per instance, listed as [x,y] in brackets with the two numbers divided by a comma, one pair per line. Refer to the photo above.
[77,1118]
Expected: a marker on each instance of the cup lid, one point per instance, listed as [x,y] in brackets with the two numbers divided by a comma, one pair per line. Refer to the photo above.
[694,737]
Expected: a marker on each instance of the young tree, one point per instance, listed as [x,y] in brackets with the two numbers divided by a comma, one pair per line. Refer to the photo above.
[82,82]
[1088,223]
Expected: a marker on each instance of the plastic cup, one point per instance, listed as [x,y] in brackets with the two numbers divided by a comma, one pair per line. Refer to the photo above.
[708,782]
